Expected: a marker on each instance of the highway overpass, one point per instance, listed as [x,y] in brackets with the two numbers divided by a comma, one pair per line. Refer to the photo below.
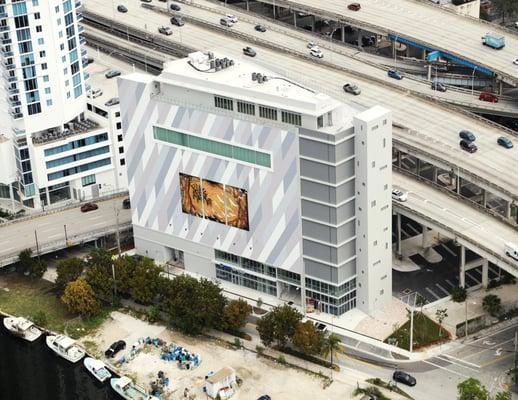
[56,230]
[479,232]
[425,24]
[422,127]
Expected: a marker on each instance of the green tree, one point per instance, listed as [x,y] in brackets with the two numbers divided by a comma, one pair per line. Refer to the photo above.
[331,345]
[471,389]
[125,267]
[99,273]
[504,396]
[193,305]
[440,315]
[144,285]
[27,265]
[235,314]
[282,320]
[79,298]
[458,294]
[492,304]
[67,271]
[307,338]
[38,269]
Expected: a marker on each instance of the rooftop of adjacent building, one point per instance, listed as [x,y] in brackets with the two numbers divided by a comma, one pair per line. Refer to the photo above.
[235,79]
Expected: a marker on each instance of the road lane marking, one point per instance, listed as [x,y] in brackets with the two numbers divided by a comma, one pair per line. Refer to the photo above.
[446,369]
[432,293]
[443,289]
[487,364]
[415,230]
[449,250]
[472,277]
[460,362]
[99,223]
[53,236]
[449,283]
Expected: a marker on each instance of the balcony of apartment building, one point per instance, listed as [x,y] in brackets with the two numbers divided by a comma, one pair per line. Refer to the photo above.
[8,64]
[79,17]
[4,28]
[75,127]
[78,4]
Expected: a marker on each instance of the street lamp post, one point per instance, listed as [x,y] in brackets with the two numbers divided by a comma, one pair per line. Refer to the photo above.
[473,80]
[395,53]
[66,237]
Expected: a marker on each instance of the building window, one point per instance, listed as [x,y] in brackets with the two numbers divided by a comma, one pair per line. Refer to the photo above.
[47,90]
[56,9]
[119,138]
[374,128]
[373,164]
[77,157]
[65,71]
[35,3]
[118,125]
[291,118]
[268,113]
[88,106]
[49,103]
[384,122]
[118,114]
[375,243]
[121,150]
[384,142]
[38,28]
[64,59]
[34,108]
[37,15]
[373,203]
[245,107]
[45,77]
[122,161]
[42,53]
[59,21]
[60,34]
[43,67]
[224,102]
[76,144]
[88,180]
[78,169]
[385,186]
[320,122]
[41,41]
[211,146]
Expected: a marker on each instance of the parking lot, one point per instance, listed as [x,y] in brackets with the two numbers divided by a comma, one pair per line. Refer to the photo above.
[434,281]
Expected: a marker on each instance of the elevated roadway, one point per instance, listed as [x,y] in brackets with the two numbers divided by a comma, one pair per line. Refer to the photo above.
[481,233]
[57,230]
[422,128]
[423,23]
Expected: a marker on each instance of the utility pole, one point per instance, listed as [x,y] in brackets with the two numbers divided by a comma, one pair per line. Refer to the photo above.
[516,358]
[66,236]
[117,233]
[37,245]
[466,324]
[412,326]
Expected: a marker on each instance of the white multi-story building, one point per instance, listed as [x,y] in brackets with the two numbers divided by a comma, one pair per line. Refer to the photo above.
[58,151]
[241,175]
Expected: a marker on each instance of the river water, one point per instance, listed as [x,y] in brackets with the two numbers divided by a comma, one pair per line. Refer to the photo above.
[31,371]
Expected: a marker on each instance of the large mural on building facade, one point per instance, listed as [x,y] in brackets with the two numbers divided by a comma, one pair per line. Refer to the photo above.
[214,201]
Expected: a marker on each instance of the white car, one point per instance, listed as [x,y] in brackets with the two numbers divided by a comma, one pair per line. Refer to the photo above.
[316,52]
[515,61]
[231,18]
[399,195]
[94,93]
[311,45]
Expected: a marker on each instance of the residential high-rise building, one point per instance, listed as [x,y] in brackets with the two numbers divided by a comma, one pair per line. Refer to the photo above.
[239,174]
[57,150]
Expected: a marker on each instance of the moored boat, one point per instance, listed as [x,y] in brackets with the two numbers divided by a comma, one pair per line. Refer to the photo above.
[97,368]
[128,390]
[65,347]
[23,328]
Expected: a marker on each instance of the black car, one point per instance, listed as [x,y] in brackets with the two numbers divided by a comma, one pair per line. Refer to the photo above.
[126,204]
[264,397]
[175,7]
[467,135]
[122,9]
[248,51]
[115,348]
[505,142]
[146,1]
[403,377]
[260,28]
[440,87]
[468,146]
[178,21]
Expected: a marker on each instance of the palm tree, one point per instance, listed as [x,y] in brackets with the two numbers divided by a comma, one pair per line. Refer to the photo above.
[330,346]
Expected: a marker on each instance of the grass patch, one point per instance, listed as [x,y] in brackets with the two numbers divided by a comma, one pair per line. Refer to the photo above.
[385,385]
[426,333]
[27,297]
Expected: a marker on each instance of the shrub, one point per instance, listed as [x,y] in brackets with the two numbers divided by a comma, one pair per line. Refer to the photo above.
[281,360]
[237,343]
[260,349]
[492,304]
[235,314]
[153,314]
[458,294]
[79,298]
[40,318]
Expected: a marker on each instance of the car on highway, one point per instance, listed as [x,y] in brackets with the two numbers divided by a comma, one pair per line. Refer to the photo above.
[231,18]
[178,21]
[165,30]
[352,88]
[316,52]
[467,135]
[354,6]
[226,22]
[115,348]
[249,51]
[94,93]
[89,207]
[122,9]
[468,146]
[403,377]
[399,195]
[515,61]
[175,7]
[126,204]
[264,397]
[440,87]
[505,142]
[394,74]
[112,73]
[369,397]
[260,28]
[486,96]
[146,1]
[112,102]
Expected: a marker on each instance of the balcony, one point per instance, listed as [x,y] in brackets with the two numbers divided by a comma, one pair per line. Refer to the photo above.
[7,53]
[4,28]
[3,15]
[18,132]
[78,4]
[71,128]
[83,52]
[79,17]
[86,76]
[81,29]
[82,41]
[12,92]
[6,40]
[15,115]
[10,79]
[14,103]
[9,66]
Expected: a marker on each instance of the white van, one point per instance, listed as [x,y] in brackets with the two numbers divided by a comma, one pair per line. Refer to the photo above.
[511,250]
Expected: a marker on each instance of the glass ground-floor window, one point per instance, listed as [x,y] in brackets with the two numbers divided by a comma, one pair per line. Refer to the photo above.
[242,278]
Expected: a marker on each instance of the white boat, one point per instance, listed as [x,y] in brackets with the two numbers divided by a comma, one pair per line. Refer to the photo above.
[129,390]
[65,347]
[97,368]
[23,328]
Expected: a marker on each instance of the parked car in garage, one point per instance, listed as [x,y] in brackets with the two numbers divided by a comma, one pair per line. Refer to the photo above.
[403,377]
[351,88]
[89,207]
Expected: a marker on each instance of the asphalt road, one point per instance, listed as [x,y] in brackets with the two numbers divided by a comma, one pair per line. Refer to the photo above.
[18,236]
